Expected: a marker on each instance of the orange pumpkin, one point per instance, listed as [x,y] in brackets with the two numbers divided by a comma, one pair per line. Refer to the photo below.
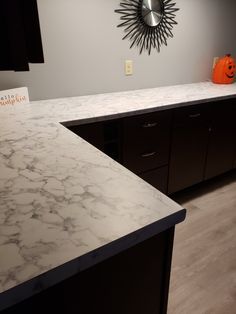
[224,70]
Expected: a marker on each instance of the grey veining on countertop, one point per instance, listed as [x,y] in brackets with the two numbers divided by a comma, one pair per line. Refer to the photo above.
[61,198]
[105,106]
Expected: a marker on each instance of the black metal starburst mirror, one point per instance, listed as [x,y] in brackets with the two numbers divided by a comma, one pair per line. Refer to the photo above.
[148,23]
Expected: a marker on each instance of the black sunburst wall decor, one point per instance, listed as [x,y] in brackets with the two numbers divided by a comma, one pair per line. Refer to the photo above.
[148,23]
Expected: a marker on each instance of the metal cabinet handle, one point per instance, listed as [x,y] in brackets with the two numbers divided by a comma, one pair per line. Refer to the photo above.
[149,125]
[194,115]
[148,154]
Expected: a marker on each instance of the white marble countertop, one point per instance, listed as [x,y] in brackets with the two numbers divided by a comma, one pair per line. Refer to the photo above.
[64,205]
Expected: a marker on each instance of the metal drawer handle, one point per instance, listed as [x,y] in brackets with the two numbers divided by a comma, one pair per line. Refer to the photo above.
[149,125]
[148,154]
[194,115]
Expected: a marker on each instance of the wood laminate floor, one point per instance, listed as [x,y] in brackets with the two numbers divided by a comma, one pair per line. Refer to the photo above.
[203,279]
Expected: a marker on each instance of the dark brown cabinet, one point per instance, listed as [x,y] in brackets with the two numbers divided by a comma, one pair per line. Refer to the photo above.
[146,146]
[234,123]
[171,149]
[234,161]
[221,148]
[141,143]
[146,141]
[188,148]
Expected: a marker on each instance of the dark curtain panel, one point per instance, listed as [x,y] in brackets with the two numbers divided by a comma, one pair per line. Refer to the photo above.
[20,35]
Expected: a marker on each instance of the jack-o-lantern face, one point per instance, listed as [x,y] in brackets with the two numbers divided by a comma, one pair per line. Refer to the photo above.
[224,70]
[230,70]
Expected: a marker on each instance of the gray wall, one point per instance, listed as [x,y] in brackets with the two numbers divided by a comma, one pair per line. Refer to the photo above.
[85,54]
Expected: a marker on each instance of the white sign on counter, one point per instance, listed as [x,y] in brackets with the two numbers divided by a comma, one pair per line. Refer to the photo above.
[12,97]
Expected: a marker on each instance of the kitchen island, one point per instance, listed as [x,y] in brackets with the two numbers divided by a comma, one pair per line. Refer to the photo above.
[74,224]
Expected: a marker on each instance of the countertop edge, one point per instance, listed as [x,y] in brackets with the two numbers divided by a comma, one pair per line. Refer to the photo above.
[54,276]
[144,110]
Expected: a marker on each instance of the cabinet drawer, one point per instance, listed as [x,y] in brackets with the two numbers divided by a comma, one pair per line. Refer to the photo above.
[157,178]
[146,125]
[138,159]
[146,141]
[195,114]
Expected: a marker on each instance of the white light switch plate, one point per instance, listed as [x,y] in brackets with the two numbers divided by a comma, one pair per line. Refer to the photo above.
[128,67]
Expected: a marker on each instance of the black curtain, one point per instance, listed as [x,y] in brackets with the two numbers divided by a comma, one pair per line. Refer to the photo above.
[20,35]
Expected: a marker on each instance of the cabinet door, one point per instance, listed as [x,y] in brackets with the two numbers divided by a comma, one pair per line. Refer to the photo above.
[189,147]
[221,148]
